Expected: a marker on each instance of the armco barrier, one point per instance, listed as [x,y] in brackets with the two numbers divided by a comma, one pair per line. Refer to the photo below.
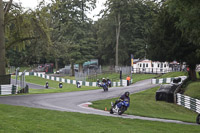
[162,81]
[188,102]
[8,89]
[166,80]
[84,83]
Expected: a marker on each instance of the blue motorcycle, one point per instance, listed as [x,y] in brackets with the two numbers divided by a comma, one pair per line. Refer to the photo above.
[103,85]
[109,83]
[120,107]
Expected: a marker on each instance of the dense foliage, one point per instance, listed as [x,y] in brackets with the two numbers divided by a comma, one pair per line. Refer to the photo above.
[174,36]
[62,33]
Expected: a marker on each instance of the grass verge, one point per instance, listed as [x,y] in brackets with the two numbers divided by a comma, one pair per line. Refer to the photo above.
[144,104]
[69,87]
[54,84]
[139,77]
[174,74]
[193,89]
[22,119]
[114,77]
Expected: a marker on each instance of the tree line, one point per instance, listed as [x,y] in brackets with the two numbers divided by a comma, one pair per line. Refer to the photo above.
[62,33]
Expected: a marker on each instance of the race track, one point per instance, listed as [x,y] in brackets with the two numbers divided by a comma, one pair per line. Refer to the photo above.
[78,101]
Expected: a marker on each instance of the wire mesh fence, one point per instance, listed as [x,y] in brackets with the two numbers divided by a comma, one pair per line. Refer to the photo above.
[20,80]
[112,73]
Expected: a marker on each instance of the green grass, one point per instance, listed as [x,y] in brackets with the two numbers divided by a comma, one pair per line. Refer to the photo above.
[144,104]
[69,87]
[139,77]
[54,84]
[22,119]
[174,74]
[69,77]
[114,77]
[193,89]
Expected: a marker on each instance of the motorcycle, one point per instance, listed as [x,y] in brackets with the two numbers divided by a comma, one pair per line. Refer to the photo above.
[60,85]
[109,83]
[105,87]
[120,107]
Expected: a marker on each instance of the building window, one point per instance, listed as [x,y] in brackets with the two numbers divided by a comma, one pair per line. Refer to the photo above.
[143,65]
[158,65]
[165,65]
[140,65]
[146,65]
[152,65]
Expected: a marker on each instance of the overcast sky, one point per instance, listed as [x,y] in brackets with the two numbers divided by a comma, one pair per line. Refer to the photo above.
[33,3]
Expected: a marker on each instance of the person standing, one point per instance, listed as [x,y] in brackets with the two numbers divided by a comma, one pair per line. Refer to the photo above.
[128,80]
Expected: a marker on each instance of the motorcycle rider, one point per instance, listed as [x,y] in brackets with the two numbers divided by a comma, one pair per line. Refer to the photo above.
[98,83]
[123,97]
[104,80]
[108,82]
[47,85]
[60,85]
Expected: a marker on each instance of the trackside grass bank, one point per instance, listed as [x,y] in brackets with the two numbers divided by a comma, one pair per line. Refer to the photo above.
[114,77]
[54,84]
[193,89]
[144,104]
[69,87]
[173,74]
[22,119]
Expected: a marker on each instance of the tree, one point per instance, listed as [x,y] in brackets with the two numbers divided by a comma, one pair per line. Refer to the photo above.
[23,29]
[115,10]
[136,20]
[2,41]
[73,28]
[3,11]
[170,42]
[188,16]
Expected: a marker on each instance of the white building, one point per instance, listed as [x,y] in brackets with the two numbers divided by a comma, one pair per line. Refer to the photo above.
[148,66]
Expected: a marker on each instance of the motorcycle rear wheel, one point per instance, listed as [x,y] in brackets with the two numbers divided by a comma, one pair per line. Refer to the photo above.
[121,110]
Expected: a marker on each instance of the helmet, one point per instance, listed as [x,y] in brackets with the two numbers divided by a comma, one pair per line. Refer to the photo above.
[127,93]
[103,78]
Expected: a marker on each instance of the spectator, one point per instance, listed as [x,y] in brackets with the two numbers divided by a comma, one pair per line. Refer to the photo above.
[128,80]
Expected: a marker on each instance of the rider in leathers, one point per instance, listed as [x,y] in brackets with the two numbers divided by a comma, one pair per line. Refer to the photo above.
[123,97]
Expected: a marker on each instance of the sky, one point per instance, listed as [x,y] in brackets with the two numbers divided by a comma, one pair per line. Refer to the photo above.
[33,3]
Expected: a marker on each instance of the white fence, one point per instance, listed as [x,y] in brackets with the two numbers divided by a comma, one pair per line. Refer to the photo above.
[8,89]
[84,83]
[188,102]
[166,80]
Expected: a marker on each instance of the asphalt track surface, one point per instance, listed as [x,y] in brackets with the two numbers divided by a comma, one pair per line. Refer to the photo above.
[78,101]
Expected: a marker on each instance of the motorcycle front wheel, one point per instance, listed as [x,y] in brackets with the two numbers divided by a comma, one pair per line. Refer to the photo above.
[111,111]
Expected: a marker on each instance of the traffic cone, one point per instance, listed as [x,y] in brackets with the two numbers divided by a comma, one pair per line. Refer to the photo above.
[105,109]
